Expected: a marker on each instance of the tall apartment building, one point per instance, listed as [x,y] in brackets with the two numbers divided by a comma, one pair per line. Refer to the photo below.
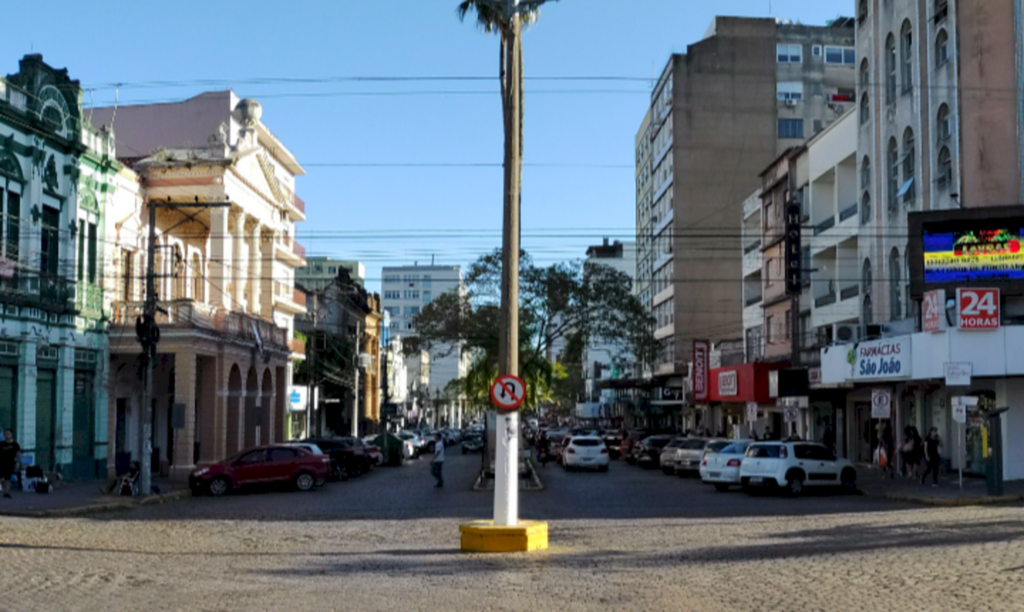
[406,290]
[940,126]
[320,271]
[718,116]
[643,281]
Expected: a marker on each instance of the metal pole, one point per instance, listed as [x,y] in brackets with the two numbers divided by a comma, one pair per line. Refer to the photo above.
[506,473]
[355,400]
[148,355]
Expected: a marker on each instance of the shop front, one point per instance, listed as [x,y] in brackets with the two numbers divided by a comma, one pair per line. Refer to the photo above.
[912,370]
[740,402]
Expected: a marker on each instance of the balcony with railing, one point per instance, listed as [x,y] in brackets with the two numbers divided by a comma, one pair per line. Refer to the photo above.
[49,293]
[191,315]
[89,299]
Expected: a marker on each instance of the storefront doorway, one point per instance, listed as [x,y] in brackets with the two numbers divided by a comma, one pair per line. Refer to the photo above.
[82,464]
[46,406]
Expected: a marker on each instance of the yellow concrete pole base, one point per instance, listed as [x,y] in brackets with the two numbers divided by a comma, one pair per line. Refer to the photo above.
[485,536]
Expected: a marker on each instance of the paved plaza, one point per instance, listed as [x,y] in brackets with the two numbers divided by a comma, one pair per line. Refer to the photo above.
[627,540]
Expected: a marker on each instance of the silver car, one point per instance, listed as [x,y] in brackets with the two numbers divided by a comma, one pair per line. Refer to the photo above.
[688,456]
[668,455]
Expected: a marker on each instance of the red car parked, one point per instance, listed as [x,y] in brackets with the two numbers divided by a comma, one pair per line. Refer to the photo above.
[263,465]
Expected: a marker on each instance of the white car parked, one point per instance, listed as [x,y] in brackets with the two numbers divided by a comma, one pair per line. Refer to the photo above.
[793,466]
[721,465]
[585,452]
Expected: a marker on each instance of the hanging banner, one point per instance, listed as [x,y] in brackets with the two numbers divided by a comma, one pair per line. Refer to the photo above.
[701,369]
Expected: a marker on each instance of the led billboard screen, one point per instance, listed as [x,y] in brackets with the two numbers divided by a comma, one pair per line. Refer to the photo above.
[993,253]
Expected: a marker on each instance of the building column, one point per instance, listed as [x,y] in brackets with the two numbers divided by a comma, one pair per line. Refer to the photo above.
[267,277]
[221,270]
[184,393]
[210,408]
[255,266]
[101,431]
[64,425]
[241,259]
[26,406]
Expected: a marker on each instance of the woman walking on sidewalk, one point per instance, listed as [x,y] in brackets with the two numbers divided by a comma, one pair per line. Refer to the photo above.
[931,447]
[437,464]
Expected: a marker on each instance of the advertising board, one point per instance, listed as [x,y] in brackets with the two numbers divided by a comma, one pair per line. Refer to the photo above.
[728,383]
[977,308]
[701,369]
[881,359]
[933,311]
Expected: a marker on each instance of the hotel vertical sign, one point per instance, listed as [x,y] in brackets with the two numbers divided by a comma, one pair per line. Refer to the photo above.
[793,259]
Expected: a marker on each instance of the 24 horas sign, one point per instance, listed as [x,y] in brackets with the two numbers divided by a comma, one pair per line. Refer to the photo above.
[888,358]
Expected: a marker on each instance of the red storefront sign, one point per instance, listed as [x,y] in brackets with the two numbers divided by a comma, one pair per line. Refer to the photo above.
[933,311]
[747,382]
[701,350]
[978,308]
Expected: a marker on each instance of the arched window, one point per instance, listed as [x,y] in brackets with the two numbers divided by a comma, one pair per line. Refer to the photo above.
[941,48]
[178,270]
[945,173]
[865,208]
[908,187]
[865,110]
[895,303]
[890,70]
[865,173]
[943,126]
[907,55]
[868,313]
[892,171]
[865,75]
[862,10]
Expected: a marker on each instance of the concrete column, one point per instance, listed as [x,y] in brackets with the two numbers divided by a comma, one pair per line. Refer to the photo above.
[184,393]
[64,426]
[256,268]
[210,405]
[241,262]
[101,432]
[221,271]
[26,406]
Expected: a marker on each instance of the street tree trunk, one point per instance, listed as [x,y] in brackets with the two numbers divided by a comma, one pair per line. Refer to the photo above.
[508,348]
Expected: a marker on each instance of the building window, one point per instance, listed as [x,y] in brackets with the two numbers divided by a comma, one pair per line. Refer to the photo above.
[862,10]
[865,110]
[12,208]
[906,55]
[427,280]
[816,51]
[332,270]
[426,297]
[890,70]
[791,128]
[867,313]
[865,209]
[789,54]
[865,277]
[412,311]
[892,175]
[865,173]
[865,75]
[769,328]
[91,272]
[49,240]
[941,10]
[845,56]
[941,48]
[945,178]
[945,128]
[790,90]
[907,189]
[81,250]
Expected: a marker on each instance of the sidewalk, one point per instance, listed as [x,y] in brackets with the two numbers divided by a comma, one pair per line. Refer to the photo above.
[948,493]
[86,497]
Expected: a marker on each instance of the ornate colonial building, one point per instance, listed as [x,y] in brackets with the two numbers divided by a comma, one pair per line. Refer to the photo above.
[225,279]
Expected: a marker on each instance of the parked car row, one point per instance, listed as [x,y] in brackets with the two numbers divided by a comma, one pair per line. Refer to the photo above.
[748,464]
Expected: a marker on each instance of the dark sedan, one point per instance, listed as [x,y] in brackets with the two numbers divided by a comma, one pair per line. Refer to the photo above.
[647,452]
[347,458]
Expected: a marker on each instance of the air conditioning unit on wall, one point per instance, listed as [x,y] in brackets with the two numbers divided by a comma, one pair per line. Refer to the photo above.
[846,332]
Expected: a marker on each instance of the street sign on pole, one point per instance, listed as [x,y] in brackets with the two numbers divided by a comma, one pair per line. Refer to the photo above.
[751,412]
[881,404]
[508,392]
[792,414]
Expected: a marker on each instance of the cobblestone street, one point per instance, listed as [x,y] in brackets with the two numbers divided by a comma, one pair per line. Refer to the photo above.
[283,550]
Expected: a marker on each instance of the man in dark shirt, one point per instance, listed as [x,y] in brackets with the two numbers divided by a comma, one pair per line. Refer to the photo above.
[10,454]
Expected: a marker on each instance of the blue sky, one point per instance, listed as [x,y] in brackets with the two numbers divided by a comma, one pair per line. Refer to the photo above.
[452,213]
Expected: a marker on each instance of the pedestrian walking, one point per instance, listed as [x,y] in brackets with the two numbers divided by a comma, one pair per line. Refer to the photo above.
[437,463]
[911,450]
[10,456]
[931,453]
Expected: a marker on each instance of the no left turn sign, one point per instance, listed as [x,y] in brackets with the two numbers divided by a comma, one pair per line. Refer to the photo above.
[508,392]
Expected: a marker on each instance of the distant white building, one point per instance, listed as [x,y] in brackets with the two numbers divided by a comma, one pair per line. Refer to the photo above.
[406,290]
[612,357]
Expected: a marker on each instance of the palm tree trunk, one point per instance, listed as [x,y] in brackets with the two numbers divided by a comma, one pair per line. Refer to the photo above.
[508,350]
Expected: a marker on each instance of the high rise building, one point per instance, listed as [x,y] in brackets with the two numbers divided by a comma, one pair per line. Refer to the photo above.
[320,271]
[719,114]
